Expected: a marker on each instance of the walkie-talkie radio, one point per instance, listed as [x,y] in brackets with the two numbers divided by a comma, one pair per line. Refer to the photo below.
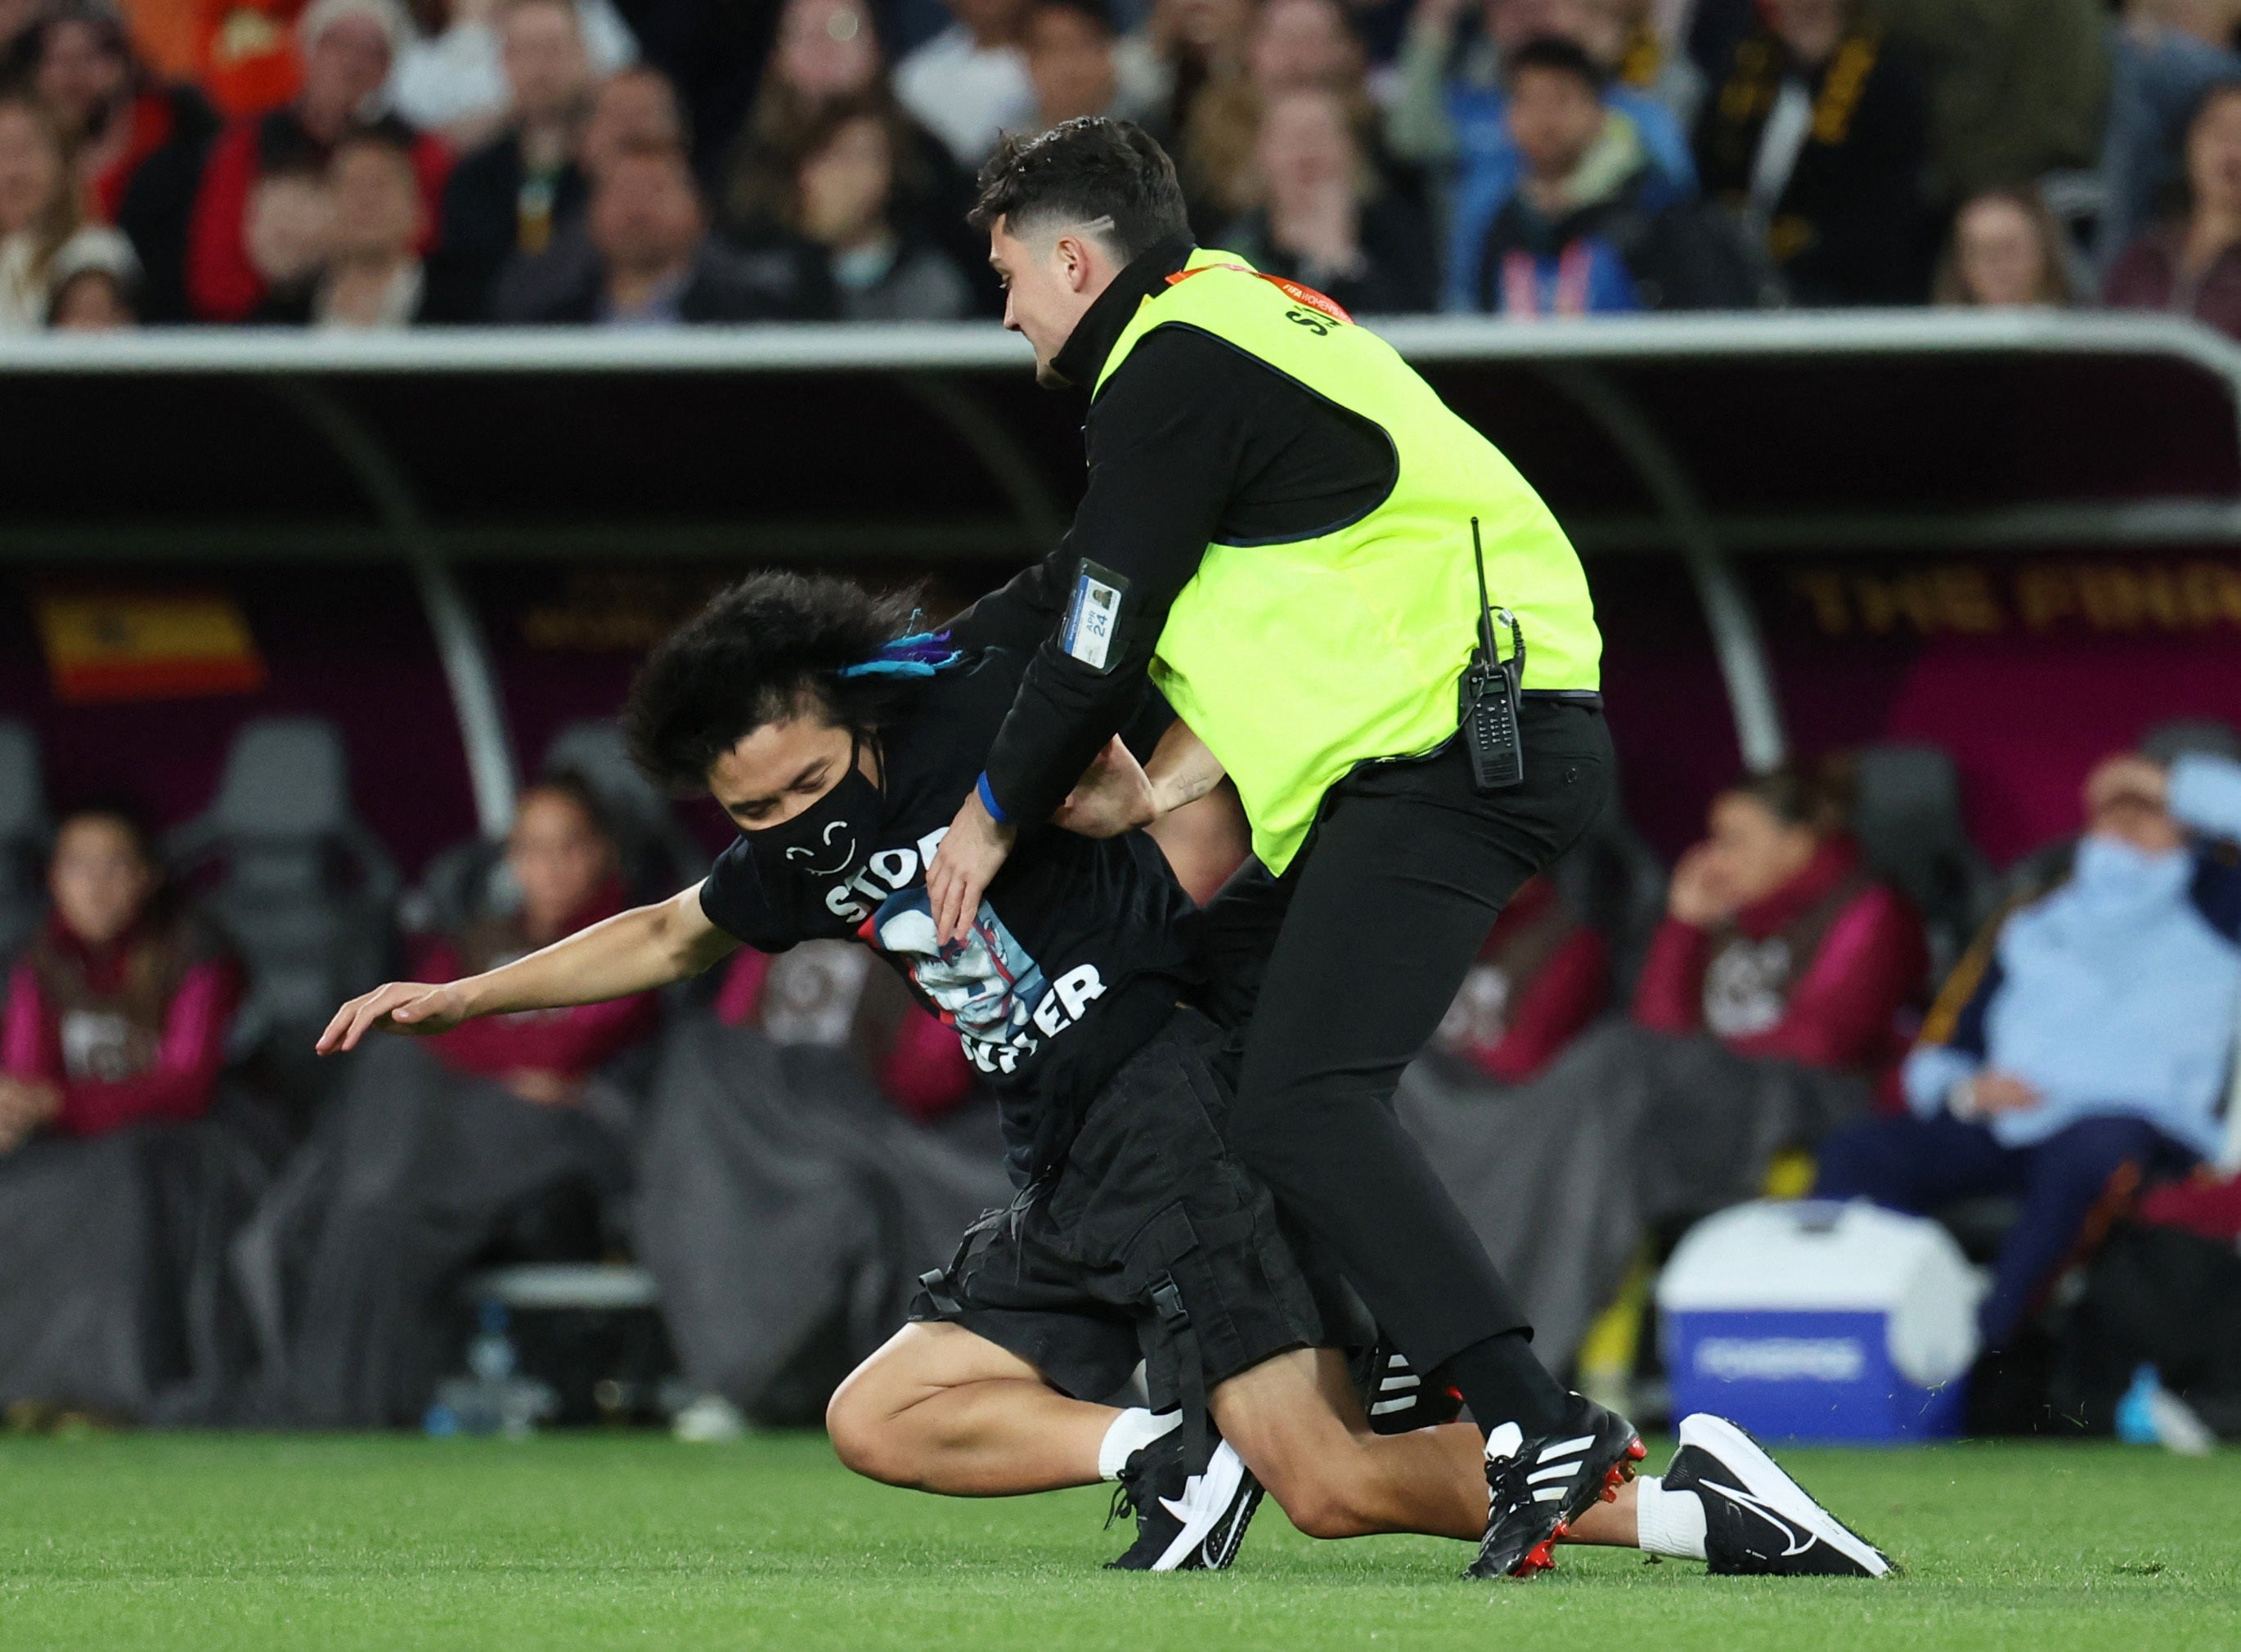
[1488,693]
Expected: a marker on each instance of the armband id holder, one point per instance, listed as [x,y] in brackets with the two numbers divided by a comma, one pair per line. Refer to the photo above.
[1488,693]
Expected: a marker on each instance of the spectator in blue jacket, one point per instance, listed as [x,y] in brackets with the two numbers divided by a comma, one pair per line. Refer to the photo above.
[2165,56]
[1543,256]
[1590,228]
[2082,1046]
[1454,116]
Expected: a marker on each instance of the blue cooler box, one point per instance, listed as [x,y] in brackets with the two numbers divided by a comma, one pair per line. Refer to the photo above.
[1816,1320]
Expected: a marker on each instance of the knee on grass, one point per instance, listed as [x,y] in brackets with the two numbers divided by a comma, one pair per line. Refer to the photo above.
[1317,1501]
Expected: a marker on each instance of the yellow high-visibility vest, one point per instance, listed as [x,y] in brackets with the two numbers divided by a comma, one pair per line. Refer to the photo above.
[1296,659]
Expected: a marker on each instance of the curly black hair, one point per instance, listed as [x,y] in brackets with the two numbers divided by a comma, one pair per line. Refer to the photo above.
[766,649]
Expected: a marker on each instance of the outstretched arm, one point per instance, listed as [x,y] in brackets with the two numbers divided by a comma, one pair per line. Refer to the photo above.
[633,952]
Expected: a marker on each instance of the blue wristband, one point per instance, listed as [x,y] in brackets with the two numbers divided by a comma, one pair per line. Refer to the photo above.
[988,801]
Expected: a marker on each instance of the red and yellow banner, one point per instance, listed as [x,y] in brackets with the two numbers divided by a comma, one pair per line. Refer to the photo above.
[110,646]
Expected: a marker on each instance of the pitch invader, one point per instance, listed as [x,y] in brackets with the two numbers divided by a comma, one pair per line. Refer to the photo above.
[834,744]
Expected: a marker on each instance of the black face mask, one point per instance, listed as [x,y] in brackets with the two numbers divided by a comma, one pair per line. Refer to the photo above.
[827,840]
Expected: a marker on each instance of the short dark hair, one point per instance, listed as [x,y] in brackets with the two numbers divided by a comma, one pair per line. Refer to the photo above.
[769,648]
[103,19]
[1558,55]
[1086,171]
[816,135]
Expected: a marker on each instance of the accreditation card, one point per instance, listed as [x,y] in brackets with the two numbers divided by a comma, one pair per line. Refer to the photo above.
[1092,615]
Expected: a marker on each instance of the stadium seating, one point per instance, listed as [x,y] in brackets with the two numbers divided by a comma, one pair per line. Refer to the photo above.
[23,833]
[302,887]
[1907,820]
[2167,742]
[659,856]
[469,880]
[1616,883]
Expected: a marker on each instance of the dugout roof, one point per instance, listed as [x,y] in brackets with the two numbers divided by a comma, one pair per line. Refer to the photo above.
[1706,437]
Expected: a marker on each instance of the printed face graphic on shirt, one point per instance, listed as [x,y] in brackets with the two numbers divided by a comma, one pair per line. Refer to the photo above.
[987,986]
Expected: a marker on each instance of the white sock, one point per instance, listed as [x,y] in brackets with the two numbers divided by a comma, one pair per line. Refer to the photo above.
[1669,1523]
[1131,1432]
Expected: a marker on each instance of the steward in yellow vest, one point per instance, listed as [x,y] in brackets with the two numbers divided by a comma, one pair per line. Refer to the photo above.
[1380,612]
[1278,532]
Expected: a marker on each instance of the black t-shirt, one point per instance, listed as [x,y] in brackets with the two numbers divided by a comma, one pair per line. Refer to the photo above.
[1082,950]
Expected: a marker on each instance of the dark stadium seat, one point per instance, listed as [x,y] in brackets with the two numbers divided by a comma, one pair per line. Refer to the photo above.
[464,882]
[1907,820]
[23,826]
[2167,742]
[2036,872]
[301,885]
[469,880]
[1615,884]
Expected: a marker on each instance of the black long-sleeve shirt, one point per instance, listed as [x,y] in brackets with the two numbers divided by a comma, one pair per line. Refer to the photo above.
[1191,442]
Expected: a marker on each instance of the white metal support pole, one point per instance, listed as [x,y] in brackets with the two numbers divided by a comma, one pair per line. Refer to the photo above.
[1007,464]
[1737,639]
[459,644]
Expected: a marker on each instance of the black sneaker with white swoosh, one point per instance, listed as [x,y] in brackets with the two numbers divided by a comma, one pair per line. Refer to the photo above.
[1758,1521]
[1185,1522]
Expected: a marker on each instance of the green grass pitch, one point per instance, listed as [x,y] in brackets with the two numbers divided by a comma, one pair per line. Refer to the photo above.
[216,1543]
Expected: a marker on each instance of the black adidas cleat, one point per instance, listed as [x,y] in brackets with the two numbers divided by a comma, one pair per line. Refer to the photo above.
[1538,1487]
[1398,1398]
[1758,1521]
[1185,1522]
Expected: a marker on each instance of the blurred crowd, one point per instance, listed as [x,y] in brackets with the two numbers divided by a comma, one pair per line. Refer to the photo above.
[1831,992]
[205,1224]
[372,163]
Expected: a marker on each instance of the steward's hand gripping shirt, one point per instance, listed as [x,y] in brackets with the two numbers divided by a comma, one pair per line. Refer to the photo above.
[1081,949]
[1279,516]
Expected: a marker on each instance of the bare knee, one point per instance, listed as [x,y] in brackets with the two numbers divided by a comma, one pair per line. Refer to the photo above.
[1318,1505]
[851,1422]
[1282,1419]
[1315,1490]
[866,1430]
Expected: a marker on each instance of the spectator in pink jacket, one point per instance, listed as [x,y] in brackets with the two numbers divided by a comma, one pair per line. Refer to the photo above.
[565,864]
[121,1186]
[117,1012]
[1541,978]
[1779,942]
[1772,1009]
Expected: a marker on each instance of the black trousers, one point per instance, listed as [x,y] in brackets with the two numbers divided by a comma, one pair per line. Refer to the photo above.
[1339,973]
